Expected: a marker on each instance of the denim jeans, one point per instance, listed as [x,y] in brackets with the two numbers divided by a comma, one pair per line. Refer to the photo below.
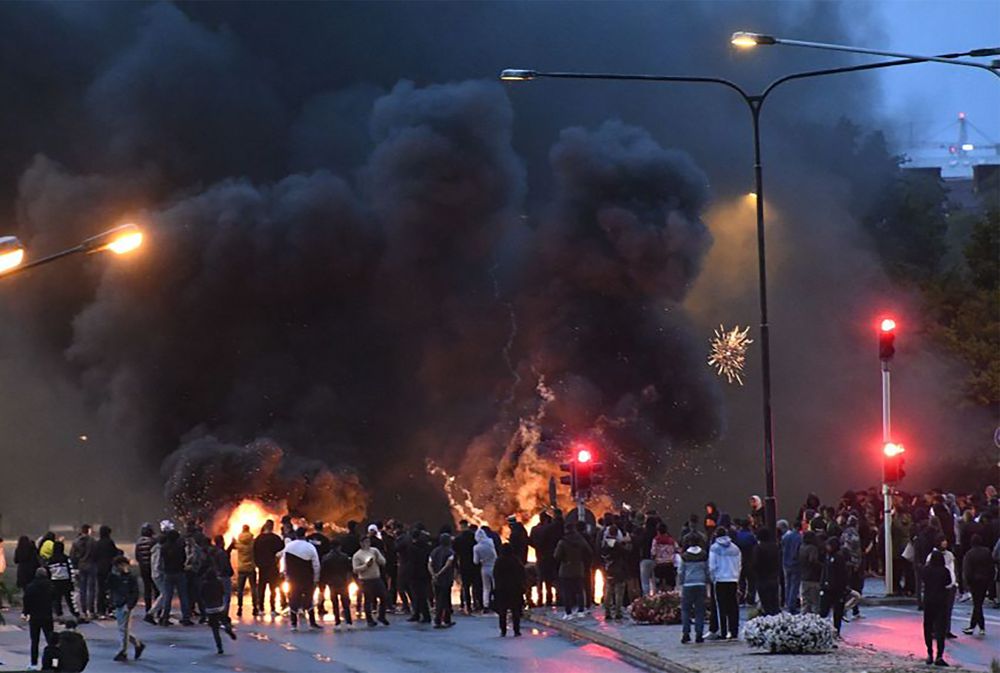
[793,579]
[175,582]
[88,590]
[693,600]
[646,568]
[123,616]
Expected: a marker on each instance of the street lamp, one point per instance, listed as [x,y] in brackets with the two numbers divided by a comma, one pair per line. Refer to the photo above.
[119,240]
[748,40]
[11,253]
[754,104]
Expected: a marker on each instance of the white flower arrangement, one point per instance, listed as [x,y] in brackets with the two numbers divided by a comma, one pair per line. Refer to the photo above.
[790,634]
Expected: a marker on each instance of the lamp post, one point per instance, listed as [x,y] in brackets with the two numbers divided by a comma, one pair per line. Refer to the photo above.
[119,240]
[754,104]
[747,40]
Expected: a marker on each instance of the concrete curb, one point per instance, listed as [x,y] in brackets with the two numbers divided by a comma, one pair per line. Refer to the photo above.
[627,650]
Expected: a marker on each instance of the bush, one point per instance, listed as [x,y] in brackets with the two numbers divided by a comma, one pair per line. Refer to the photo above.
[661,608]
[789,634]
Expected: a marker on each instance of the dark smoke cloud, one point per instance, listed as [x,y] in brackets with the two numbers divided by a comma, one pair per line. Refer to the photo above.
[206,475]
[373,278]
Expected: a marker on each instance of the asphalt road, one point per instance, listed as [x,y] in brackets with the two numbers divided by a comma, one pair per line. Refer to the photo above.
[474,645]
[900,630]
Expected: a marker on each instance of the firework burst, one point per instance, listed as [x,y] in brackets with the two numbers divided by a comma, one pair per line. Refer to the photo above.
[729,352]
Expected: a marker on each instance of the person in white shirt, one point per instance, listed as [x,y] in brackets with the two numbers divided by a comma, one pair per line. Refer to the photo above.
[302,570]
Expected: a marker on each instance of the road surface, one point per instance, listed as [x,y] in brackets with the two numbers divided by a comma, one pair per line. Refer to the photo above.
[474,645]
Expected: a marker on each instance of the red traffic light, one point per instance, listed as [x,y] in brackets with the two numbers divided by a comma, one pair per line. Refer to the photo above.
[891,449]
[583,456]
[887,325]
[886,339]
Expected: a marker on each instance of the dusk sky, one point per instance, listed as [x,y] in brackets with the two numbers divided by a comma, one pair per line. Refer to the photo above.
[931,96]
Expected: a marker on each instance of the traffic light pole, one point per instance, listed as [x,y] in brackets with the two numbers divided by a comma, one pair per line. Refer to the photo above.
[886,489]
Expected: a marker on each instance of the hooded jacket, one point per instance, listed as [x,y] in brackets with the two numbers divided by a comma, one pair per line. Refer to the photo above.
[484,553]
[244,552]
[693,571]
[614,555]
[977,567]
[663,549]
[123,588]
[724,560]
[573,555]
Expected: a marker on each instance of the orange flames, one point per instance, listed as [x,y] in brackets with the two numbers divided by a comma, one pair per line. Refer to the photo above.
[251,513]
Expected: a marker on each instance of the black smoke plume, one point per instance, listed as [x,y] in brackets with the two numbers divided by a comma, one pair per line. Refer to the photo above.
[352,254]
[205,476]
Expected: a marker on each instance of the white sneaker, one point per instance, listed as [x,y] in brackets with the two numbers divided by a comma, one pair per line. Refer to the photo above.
[982,632]
[567,618]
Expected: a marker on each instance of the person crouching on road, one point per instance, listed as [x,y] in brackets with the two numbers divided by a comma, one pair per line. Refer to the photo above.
[693,578]
[302,570]
[67,652]
[213,596]
[123,591]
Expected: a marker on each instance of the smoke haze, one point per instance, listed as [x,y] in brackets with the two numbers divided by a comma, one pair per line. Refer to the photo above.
[364,249]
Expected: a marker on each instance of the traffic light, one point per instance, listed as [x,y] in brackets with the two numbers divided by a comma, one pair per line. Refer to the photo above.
[893,461]
[886,339]
[568,479]
[584,470]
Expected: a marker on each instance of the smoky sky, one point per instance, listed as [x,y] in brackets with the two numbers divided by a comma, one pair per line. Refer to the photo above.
[364,249]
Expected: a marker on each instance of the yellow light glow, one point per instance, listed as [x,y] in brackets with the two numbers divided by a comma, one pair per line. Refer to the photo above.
[127,242]
[743,40]
[751,196]
[12,259]
[598,587]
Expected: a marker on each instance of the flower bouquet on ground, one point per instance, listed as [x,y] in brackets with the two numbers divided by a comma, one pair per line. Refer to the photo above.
[660,608]
[790,634]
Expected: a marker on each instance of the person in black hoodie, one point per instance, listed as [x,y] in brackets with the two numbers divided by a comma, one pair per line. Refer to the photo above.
[977,570]
[104,553]
[811,567]
[123,594]
[936,582]
[509,580]
[37,608]
[213,597]
[766,565]
[518,539]
[61,574]
[536,539]
[265,555]
[471,595]
[336,572]
[172,556]
[144,557]
[548,565]
[27,561]
[833,583]
[420,576]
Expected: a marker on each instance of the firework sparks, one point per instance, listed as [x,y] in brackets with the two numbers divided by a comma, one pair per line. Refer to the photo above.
[729,352]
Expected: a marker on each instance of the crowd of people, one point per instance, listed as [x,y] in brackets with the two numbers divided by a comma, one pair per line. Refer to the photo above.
[947,548]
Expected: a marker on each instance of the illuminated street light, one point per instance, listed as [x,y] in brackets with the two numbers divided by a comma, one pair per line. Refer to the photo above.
[120,240]
[747,40]
[11,253]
